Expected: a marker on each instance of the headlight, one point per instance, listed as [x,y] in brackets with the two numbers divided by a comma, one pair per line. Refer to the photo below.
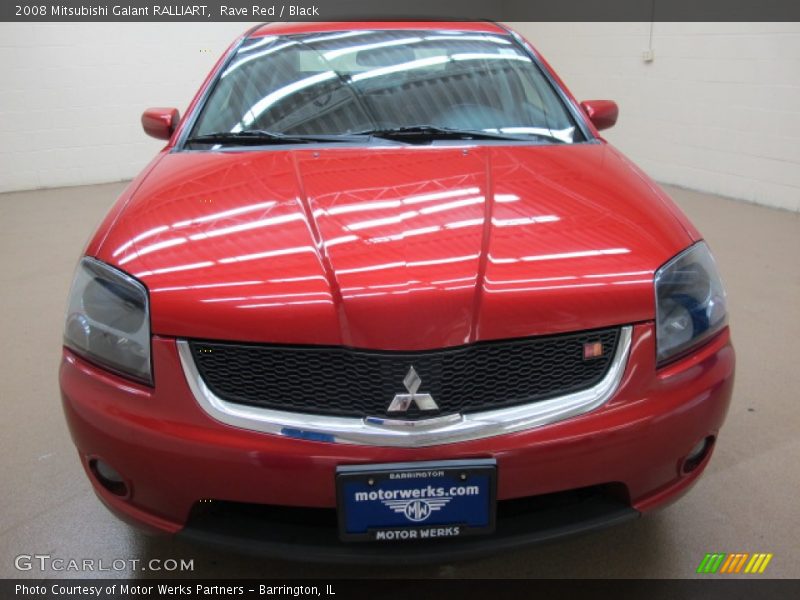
[108,319]
[690,302]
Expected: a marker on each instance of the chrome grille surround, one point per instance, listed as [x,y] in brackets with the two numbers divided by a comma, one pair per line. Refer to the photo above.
[375,431]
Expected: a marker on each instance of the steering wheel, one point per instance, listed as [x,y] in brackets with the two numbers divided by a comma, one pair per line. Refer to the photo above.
[469,115]
[323,99]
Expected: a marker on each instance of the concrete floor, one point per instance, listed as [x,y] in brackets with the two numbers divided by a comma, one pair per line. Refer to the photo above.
[746,501]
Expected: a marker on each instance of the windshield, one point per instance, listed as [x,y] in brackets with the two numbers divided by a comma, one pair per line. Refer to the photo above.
[359,82]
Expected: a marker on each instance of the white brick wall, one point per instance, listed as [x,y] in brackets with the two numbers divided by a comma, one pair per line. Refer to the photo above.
[71,95]
[718,110]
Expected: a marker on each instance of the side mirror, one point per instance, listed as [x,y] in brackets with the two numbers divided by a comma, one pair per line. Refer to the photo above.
[160,123]
[602,113]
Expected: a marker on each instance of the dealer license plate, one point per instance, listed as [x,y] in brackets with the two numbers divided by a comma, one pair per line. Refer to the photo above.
[416,500]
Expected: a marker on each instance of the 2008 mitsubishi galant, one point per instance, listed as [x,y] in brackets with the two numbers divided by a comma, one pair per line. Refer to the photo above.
[386,291]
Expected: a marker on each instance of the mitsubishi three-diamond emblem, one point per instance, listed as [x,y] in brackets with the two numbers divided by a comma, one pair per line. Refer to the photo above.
[402,402]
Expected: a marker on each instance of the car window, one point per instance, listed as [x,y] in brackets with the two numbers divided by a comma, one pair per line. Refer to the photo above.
[347,82]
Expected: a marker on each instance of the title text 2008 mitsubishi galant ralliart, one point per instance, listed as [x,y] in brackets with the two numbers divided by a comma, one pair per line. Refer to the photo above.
[387,292]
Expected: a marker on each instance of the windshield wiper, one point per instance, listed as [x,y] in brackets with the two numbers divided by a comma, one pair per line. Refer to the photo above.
[409,133]
[260,137]
[434,132]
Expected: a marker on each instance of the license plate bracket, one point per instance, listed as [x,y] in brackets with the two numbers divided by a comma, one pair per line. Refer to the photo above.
[416,500]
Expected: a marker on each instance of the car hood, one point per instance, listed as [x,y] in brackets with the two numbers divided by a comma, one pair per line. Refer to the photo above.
[400,248]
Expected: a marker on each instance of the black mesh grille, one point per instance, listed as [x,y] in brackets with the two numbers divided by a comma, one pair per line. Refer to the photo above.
[349,382]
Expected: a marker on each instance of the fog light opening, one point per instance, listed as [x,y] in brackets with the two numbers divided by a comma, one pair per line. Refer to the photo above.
[108,477]
[698,454]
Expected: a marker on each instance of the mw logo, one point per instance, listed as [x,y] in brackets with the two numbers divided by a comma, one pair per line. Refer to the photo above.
[417,510]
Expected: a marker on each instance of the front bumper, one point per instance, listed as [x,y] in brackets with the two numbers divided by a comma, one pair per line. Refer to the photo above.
[173,455]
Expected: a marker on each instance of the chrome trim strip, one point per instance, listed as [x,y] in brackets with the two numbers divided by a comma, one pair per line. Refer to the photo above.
[191,118]
[375,431]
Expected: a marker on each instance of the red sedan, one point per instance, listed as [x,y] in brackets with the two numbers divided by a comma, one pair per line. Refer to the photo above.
[387,292]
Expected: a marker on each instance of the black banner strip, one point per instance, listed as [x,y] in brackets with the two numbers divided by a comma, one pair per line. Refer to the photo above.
[345,10]
[711,588]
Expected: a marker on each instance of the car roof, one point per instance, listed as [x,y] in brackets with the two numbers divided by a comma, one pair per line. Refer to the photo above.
[278,28]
